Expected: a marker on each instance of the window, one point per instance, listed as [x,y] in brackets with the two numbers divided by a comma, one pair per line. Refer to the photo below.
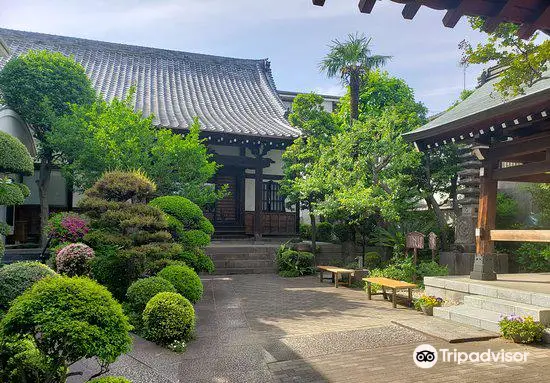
[271,199]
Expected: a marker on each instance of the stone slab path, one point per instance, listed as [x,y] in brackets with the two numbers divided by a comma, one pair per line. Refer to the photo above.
[263,328]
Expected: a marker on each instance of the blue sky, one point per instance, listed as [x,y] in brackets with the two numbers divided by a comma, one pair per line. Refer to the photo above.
[293,34]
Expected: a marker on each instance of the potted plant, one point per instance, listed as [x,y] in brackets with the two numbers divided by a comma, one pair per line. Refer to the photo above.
[521,329]
[426,303]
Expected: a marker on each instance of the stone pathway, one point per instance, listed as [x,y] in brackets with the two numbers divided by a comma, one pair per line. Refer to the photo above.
[263,328]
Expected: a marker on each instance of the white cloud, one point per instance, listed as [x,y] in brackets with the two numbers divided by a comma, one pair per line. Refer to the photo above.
[330,90]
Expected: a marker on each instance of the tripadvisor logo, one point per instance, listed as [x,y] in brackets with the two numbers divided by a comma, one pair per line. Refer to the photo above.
[426,356]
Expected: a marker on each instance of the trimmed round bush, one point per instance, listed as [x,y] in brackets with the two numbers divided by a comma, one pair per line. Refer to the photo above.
[18,277]
[13,193]
[110,379]
[185,211]
[14,156]
[74,259]
[206,226]
[185,280]
[204,263]
[195,238]
[168,317]
[153,268]
[122,186]
[76,315]
[142,290]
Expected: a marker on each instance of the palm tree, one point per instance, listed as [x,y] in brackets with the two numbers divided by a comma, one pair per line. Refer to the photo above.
[350,60]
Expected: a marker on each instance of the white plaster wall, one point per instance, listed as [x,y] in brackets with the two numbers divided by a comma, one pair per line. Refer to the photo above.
[275,168]
[249,194]
[57,192]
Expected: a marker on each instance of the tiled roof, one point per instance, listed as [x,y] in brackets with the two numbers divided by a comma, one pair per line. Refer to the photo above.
[229,95]
[483,103]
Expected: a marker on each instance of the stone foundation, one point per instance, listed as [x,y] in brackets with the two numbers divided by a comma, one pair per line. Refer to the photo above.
[462,263]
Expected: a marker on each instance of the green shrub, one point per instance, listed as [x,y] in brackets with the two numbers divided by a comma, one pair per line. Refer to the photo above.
[18,277]
[14,156]
[142,290]
[122,186]
[305,231]
[74,318]
[194,238]
[185,211]
[507,214]
[168,317]
[12,193]
[110,379]
[372,260]
[204,263]
[342,231]
[533,257]
[521,329]
[66,227]
[206,226]
[185,280]
[21,362]
[324,232]
[113,270]
[153,268]
[404,270]
[294,263]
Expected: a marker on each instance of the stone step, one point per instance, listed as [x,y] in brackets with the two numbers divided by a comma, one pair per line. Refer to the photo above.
[232,271]
[212,250]
[243,263]
[469,315]
[234,256]
[503,306]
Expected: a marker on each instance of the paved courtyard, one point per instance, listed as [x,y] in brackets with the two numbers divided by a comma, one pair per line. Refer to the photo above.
[263,328]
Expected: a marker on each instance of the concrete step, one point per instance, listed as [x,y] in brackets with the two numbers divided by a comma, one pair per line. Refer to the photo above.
[236,256]
[243,263]
[235,270]
[469,315]
[504,306]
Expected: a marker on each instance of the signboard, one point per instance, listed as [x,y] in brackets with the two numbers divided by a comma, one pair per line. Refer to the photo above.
[432,241]
[414,240]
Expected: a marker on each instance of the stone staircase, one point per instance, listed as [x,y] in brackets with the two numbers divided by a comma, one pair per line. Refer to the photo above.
[483,310]
[243,258]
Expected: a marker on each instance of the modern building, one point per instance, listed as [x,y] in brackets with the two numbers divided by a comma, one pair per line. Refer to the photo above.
[242,117]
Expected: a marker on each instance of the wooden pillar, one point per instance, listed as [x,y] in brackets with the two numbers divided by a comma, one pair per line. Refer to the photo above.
[486,215]
[258,183]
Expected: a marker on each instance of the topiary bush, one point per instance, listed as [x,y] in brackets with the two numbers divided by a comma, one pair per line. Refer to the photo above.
[185,280]
[142,290]
[14,156]
[18,277]
[155,267]
[70,319]
[194,239]
[204,263]
[110,379]
[21,361]
[74,259]
[66,227]
[324,232]
[168,317]
[185,211]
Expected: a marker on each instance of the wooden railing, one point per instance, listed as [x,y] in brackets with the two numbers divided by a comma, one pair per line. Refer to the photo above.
[520,235]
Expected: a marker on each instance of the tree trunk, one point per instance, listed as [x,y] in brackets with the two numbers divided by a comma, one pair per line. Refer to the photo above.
[313,236]
[43,186]
[354,95]
[441,222]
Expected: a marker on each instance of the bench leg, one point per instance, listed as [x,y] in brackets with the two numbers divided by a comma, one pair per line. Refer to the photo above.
[368,291]
[321,276]
[394,295]
[332,277]
[384,293]
[349,280]
[410,296]
[335,277]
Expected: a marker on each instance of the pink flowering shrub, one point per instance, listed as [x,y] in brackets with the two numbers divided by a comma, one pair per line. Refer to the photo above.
[74,259]
[66,227]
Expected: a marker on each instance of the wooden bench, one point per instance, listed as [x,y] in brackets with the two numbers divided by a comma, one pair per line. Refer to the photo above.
[336,273]
[389,283]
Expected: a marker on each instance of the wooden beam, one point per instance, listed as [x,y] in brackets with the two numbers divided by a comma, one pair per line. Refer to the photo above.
[539,179]
[365,6]
[530,169]
[533,144]
[258,185]
[452,16]
[410,10]
[486,215]
[492,22]
[520,235]
[529,28]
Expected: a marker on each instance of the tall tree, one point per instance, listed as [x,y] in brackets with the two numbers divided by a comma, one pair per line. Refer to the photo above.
[40,86]
[350,60]
[317,127]
[526,61]
[112,136]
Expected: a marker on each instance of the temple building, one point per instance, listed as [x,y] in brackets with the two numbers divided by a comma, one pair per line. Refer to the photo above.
[242,117]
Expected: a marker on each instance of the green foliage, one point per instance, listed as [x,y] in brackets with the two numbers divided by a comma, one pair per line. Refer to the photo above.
[372,260]
[343,231]
[507,212]
[305,231]
[404,270]
[142,290]
[521,329]
[526,61]
[292,263]
[14,156]
[324,231]
[111,135]
[195,238]
[18,277]
[533,257]
[22,362]
[198,260]
[185,280]
[70,319]
[110,379]
[12,193]
[206,226]
[168,317]
[541,201]
[66,227]
[181,208]
[41,85]
[427,301]
[132,233]
[155,267]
